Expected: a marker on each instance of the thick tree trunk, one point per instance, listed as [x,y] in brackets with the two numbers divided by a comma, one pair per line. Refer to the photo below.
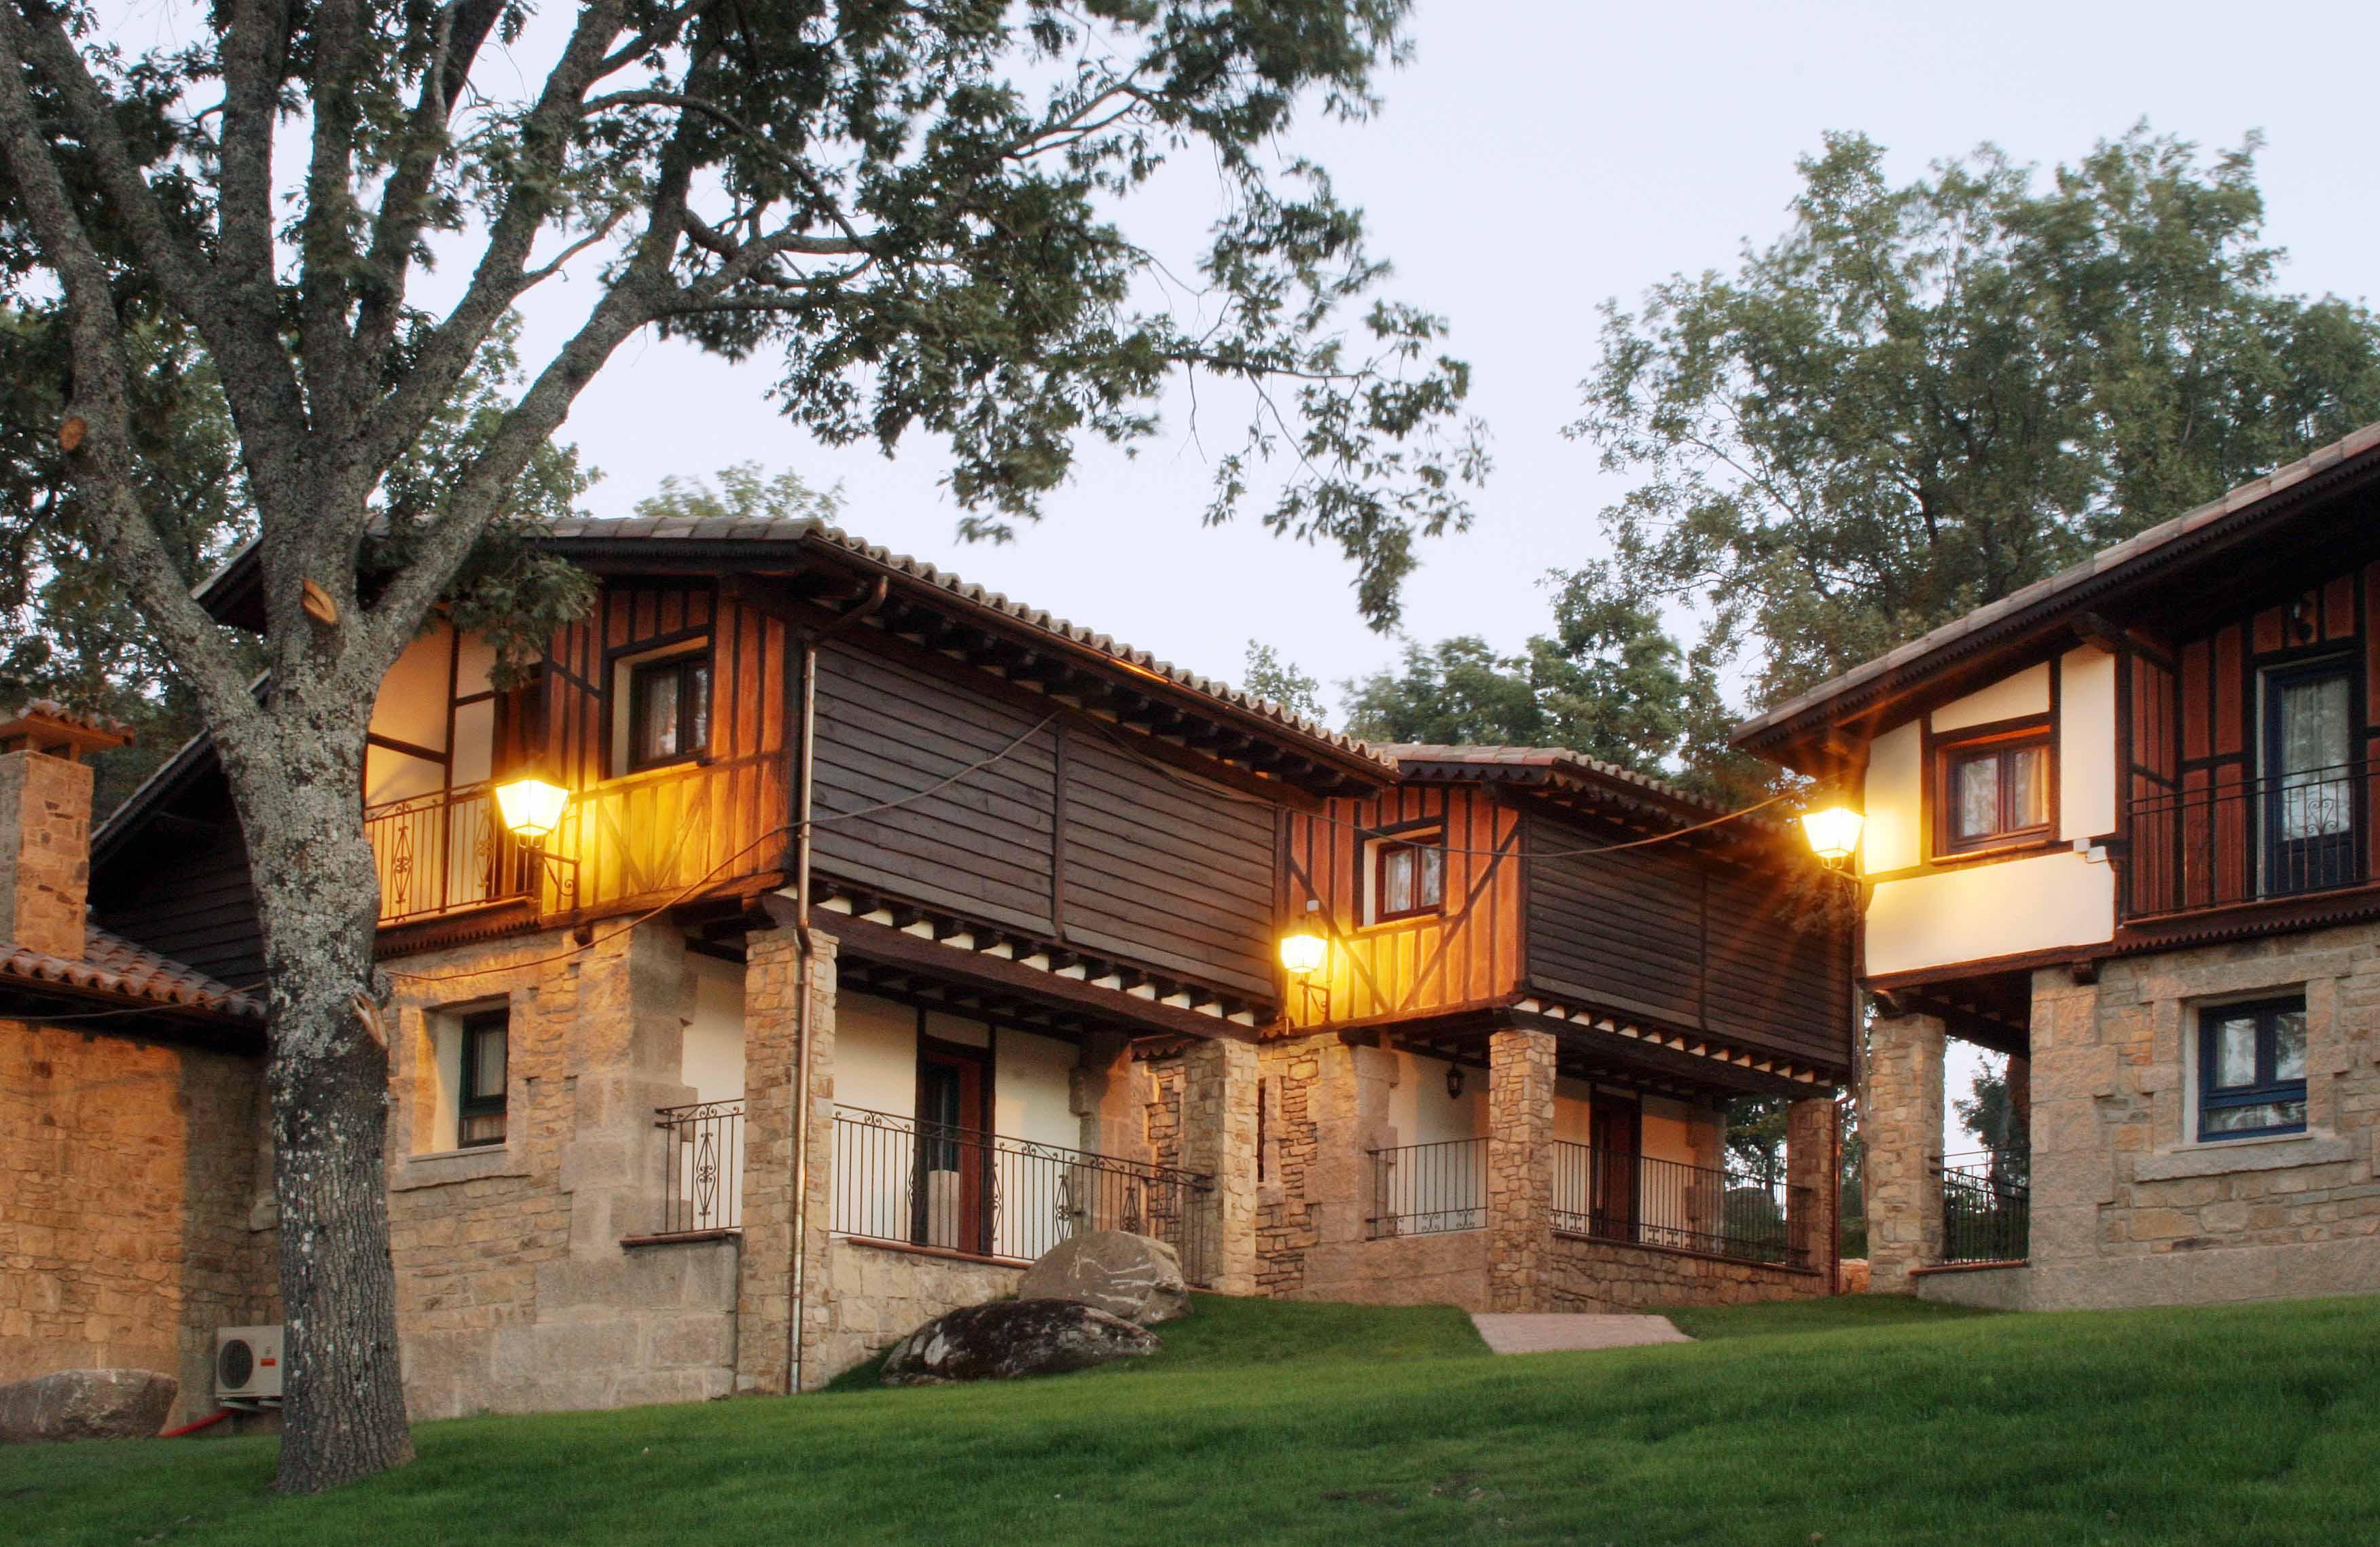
[318,896]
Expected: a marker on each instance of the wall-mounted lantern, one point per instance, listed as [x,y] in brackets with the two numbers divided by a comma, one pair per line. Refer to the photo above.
[1303,954]
[1834,835]
[1454,1081]
[531,807]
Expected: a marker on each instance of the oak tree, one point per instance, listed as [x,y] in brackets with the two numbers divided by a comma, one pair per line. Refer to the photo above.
[918,209]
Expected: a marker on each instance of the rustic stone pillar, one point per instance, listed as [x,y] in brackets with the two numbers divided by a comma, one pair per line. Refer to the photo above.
[1219,1139]
[1520,1167]
[1105,1097]
[629,1055]
[44,852]
[764,1299]
[1810,1181]
[1901,1132]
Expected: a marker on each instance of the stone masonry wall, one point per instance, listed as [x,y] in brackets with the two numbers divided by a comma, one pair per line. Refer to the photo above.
[128,1169]
[45,858]
[1287,1225]
[2128,1209]
[1901,1131]
[1591,1275]
[515,1292]
[1520,1167]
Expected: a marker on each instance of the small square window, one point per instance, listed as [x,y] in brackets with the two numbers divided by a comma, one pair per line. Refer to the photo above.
[1995,792]
[1408,876]
[2251,1065]
[669,710]
[479,1088]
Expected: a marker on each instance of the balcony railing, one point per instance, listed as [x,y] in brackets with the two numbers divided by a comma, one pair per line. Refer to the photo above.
[1986,1207]
[703,1189]
[1733,1211]
[988,1195]
[442,851]
[1423,1190]
[2250,841]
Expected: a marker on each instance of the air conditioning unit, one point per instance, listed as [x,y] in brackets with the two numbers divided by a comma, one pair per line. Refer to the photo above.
[248,1364]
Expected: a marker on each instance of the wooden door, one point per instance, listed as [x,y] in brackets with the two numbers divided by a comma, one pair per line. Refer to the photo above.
[951,1195]
[1615,1134]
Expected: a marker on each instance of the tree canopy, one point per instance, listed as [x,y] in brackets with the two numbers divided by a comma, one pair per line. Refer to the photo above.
[1926,396]
[918,212]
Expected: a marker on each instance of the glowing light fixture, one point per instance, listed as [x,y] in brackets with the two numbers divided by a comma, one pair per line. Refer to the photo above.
[1834,835]
[531,807]
[1302,955]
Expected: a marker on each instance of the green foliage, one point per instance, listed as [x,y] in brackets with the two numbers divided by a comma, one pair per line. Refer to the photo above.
[1990,1113]
[72,634]
[1608,682]
[1267,676]
[746,492]
[1926,395]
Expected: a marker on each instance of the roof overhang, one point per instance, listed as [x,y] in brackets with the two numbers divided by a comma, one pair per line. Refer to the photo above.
[2258,539]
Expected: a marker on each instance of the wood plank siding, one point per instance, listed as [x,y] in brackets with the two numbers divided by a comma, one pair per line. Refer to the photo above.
[1686,938]
[640,838]
[1468,953]
[1069,836]
[188,896]
[2194,743]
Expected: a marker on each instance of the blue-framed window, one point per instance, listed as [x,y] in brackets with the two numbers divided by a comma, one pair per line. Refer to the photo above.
[2252,1065]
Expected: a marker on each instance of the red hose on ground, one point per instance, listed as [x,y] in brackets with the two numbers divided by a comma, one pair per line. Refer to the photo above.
[216,1417]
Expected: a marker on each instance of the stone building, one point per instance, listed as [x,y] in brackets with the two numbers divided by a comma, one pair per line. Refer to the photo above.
[2117,828]
[809,940]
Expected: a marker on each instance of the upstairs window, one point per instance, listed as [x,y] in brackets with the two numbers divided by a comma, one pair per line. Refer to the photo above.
[1408,876]
[479,1090]
[669,710]
[2252,1066]
[1995,792]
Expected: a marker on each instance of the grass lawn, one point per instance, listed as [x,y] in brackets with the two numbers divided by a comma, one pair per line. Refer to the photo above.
[1859,1422]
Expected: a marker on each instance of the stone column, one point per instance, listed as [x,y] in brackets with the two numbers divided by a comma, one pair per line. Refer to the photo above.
[1520,1167]
[44,852]
[614,1165]
[1900,1133]
[1105,1097]
[764,1299]
[1219,1139]
[1809,1180]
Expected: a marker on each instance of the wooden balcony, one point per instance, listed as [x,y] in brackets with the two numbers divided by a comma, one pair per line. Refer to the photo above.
[2249,843]
[626,843]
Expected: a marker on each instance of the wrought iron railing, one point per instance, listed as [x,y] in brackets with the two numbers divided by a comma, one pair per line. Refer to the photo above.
[1986,1206]
[988,1195]
[2228,844]
[1735,1211]
[442,851]
[1423,1190]
[703,1189]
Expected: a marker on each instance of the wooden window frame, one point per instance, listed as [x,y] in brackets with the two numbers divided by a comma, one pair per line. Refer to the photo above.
[2267,1087]
[1419,839]
[1952,748]
[680,668]
[466,1105]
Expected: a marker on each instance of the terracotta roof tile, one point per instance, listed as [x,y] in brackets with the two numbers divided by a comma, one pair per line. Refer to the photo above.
[723,529]
[115,967]
[1548,758]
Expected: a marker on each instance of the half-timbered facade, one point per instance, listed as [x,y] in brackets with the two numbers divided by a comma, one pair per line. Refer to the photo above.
[808,940]
[2118,827]
[1540,982]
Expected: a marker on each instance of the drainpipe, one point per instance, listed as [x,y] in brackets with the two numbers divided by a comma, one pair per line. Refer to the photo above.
[799,1260]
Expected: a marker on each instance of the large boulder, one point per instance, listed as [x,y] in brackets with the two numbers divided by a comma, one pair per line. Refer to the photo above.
[1136,1277]
[86,1404]
[1008,1339]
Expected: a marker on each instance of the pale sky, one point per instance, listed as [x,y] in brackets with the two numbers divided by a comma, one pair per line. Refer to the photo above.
[1537,158]
[1534,159]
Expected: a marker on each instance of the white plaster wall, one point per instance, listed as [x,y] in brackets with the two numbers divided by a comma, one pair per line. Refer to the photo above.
[1029,1099]
[711,1059]
[391,775]
[1668,1135]
[875,1054]
[1574,1120]
[1888,841]
[1976,912]
[1424,1113]
[2086,744]
[2025,693]
[413,697]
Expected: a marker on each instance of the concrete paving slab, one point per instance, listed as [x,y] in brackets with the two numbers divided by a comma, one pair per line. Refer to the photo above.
[1563,1332]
